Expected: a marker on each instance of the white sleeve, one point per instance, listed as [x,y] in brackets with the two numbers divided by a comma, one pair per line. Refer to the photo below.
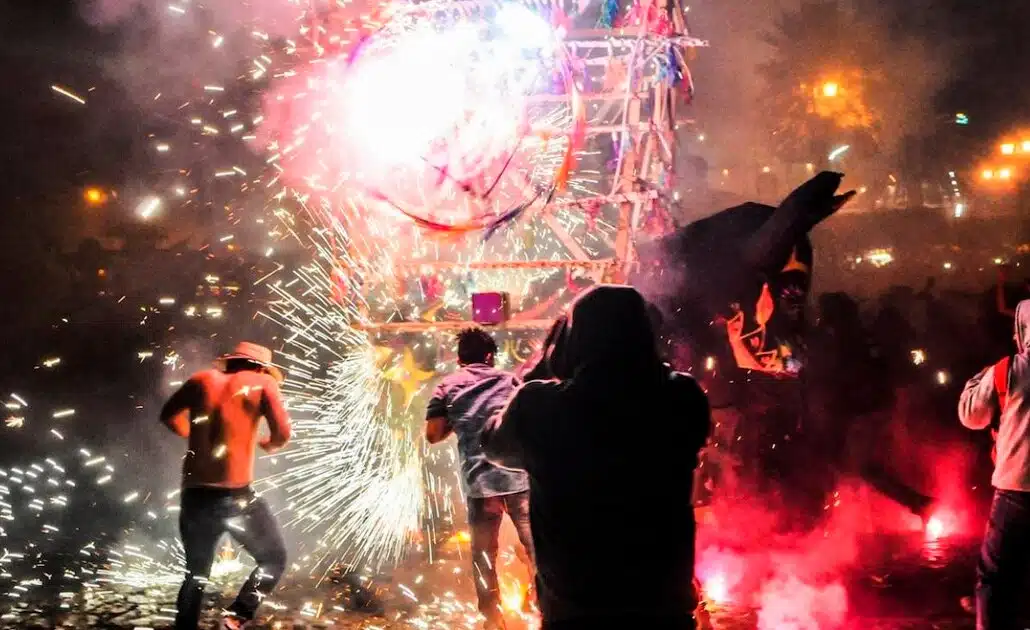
[978,402]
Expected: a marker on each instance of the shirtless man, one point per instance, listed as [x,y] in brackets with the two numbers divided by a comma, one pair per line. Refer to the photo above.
[219,412]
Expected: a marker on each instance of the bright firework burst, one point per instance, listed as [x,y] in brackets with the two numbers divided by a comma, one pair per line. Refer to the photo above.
[454,114]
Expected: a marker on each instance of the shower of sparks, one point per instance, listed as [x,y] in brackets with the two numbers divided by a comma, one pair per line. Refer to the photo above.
[68,93]
[478,145]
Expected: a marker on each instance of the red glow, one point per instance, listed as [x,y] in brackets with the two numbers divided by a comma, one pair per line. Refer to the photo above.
[941,525]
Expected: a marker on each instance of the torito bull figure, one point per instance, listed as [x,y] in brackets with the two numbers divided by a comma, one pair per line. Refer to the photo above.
[732,290]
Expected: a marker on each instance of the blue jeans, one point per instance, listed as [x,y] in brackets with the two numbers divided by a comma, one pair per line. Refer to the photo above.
[485,516]
[1004,562]
[207,514]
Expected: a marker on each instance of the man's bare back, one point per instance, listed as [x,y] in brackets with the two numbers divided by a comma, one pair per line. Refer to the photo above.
[220,415]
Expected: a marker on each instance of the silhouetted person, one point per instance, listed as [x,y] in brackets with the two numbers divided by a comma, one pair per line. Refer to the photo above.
[999,398]
[538,368]
[610,451]
[463,403]
[219,411]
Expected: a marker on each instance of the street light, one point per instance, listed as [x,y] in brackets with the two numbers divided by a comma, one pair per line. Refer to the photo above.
[94,196]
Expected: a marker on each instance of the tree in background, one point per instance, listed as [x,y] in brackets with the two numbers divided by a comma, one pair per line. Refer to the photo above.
[856,76]
[822,83]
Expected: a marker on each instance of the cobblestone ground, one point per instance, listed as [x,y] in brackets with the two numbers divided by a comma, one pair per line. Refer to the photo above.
[906,588]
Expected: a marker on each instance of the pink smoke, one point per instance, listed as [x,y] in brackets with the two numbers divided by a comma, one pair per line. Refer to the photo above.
[788,603]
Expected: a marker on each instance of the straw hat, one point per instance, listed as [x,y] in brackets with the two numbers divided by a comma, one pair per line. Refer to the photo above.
[255,354]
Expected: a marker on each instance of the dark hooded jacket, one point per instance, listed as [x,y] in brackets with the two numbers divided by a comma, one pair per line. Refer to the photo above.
[539,367]
[610,451]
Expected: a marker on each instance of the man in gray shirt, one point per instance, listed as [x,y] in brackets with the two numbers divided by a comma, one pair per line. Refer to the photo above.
[463,403]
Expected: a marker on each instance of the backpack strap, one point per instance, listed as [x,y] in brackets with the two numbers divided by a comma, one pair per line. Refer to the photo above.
[1001,381]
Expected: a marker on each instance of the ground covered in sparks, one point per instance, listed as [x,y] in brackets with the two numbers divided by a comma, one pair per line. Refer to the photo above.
[906,583]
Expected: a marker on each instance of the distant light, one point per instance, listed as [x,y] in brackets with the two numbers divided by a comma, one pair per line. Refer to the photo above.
[725,172]
[94,196]
[1025,146]
[947,265]
[839,151]
[701,137]
[879,257]
[709,364]
[943,377]
[1005,173]
[987,174]
[951,174]
[960,209]
[166,301]
[934,528]
[809,167]
[998,261]
[766,169]
[961,119]
[830,89]
[148,207]
[162,147]
[1008,148]
[862,190]
[918,357]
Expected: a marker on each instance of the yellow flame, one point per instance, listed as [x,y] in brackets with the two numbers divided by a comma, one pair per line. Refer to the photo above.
[460,538]
[513,594]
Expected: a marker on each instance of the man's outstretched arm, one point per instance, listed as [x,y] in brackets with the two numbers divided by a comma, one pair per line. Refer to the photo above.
[438,428]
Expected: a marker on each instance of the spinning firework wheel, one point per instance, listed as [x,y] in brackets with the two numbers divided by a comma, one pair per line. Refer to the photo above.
[626,78]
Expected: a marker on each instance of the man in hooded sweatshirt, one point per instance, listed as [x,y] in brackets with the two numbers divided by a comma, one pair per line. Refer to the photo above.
[610,449]
[999,398]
